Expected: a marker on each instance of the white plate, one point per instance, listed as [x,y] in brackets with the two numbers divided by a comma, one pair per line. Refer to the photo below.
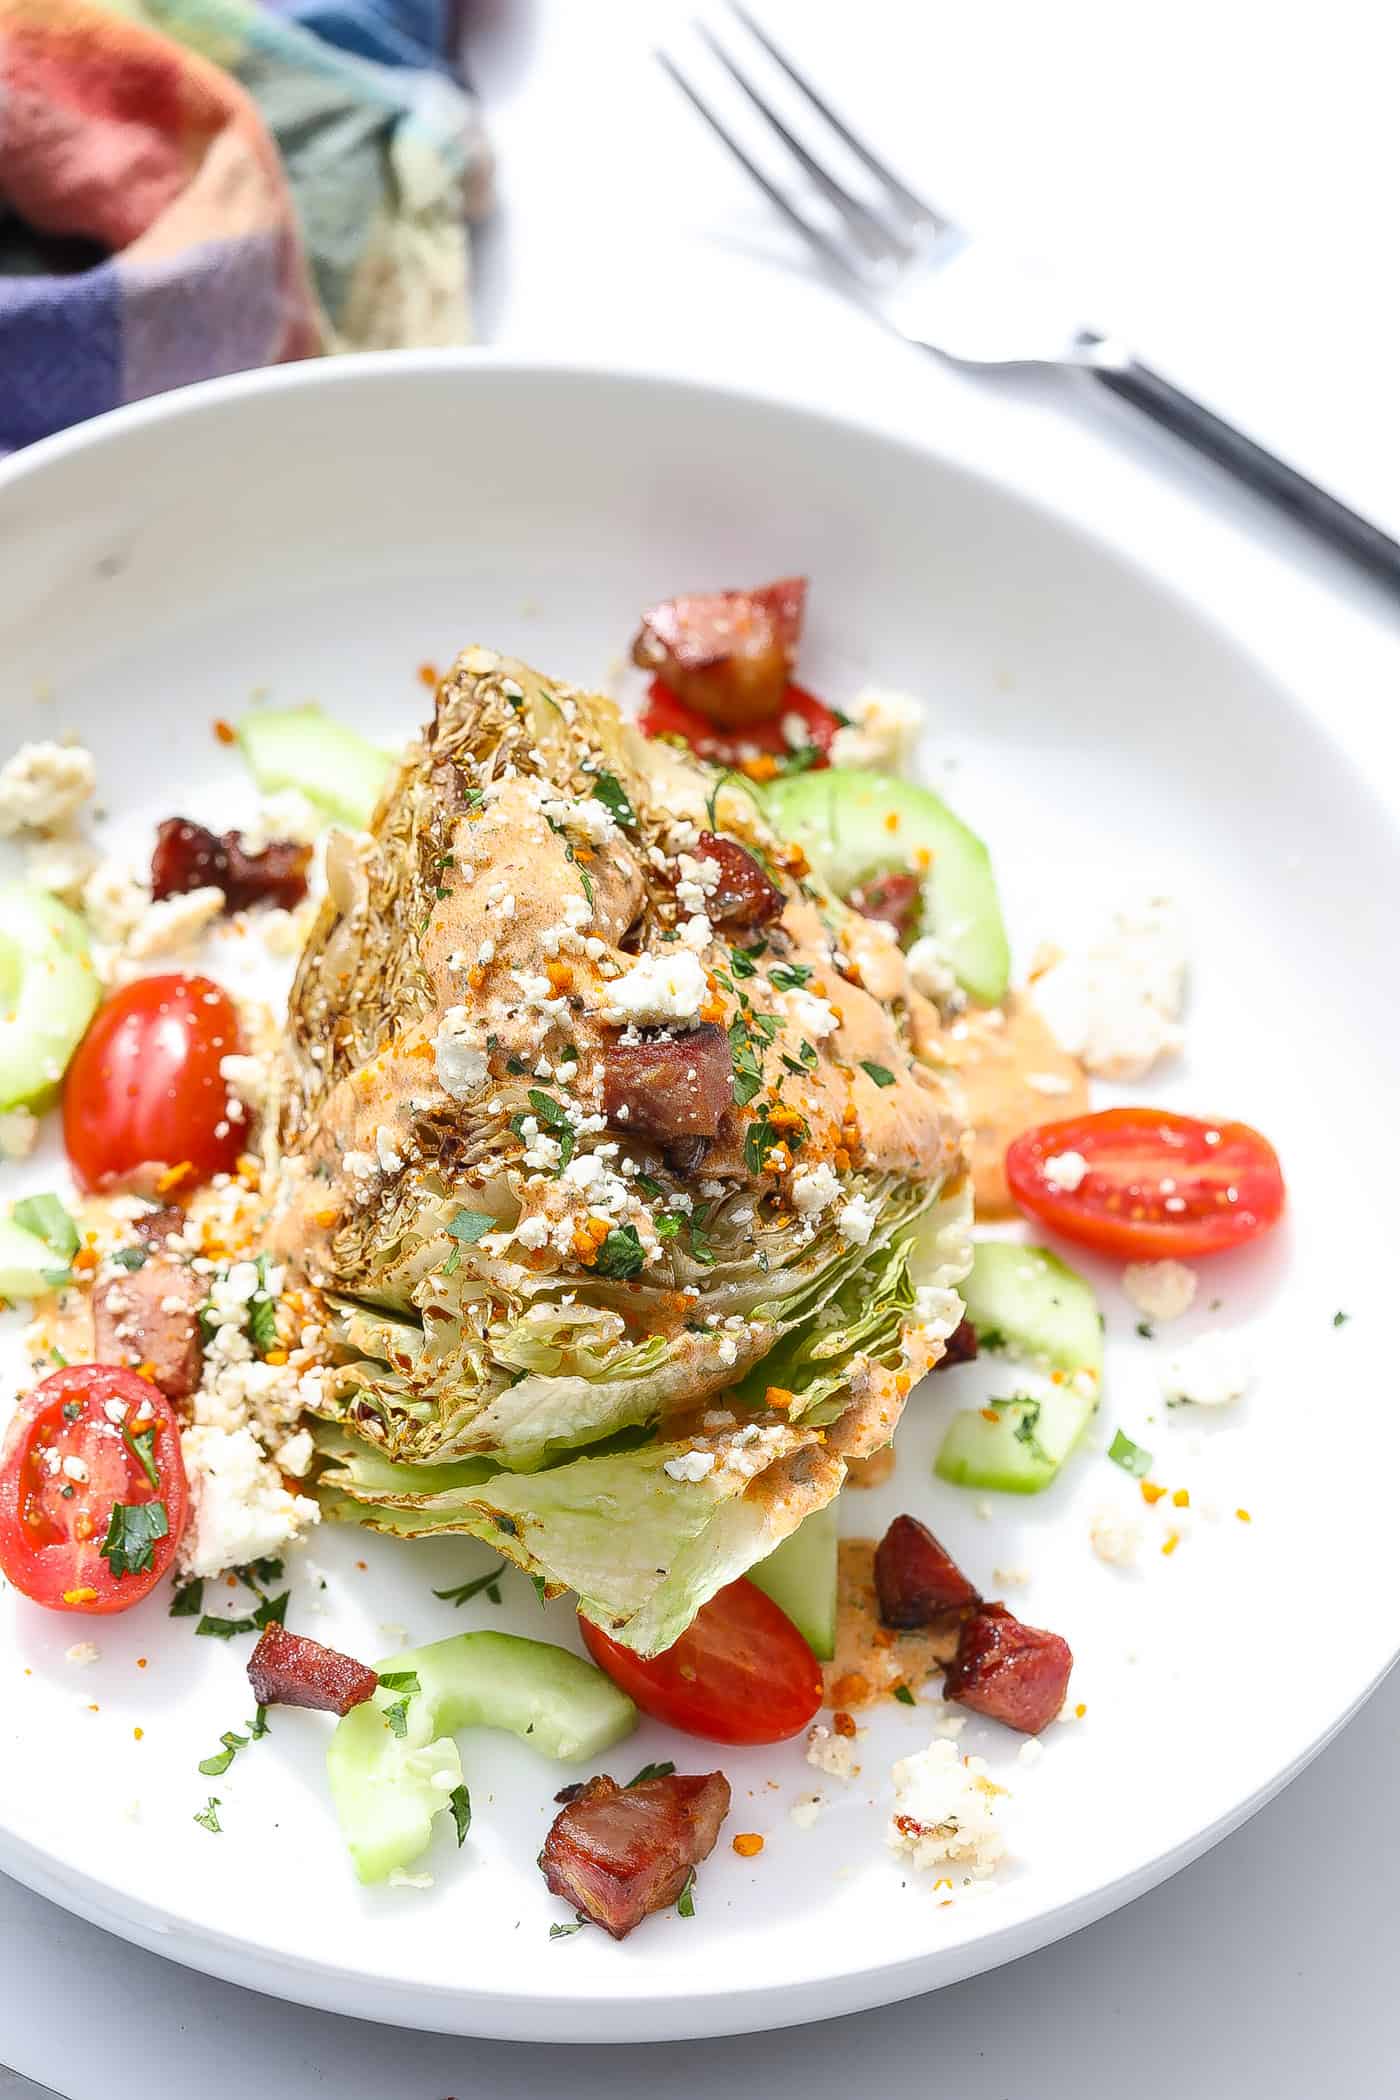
[320,531]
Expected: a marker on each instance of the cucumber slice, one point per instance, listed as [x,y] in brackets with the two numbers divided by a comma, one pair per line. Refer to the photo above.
[800,1577]
[840,818]
[387,1787]
[48,990]
[1027,1301]
[27,1265]
[299,747]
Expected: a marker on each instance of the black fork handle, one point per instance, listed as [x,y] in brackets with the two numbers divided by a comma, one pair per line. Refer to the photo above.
[1283,486]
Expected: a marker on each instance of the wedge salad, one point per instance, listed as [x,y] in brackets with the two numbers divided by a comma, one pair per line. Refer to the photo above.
[604,1191]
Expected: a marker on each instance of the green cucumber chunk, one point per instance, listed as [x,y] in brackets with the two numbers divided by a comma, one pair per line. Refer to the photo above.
[840,818]
[48,990]
[27,1265]
[1028,1302]
[800,1577]
[299,747]
[387,1787]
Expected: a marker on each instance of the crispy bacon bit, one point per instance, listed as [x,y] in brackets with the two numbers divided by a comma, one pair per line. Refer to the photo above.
[676,1087]
[187,857]
[743,896]
[917,1581]
[894,898]
[960,1347]
[1013,1673]
[154,1227]
[285,1669]
[618,1853]
[730,654]
[147,1316]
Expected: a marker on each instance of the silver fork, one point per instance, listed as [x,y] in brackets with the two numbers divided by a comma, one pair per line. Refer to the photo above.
[942,290]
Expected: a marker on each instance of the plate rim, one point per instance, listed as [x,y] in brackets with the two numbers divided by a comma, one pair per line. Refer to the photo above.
[717,2009]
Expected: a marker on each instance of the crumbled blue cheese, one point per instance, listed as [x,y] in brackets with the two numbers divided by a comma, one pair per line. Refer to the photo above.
[658,988]
[82,1652]
[19,1133]
[814,1189]
[1161,1290]
[832,1754]
[44,786]
[930,971]
[855,1221]
[946,1811]
[1209,1372]
[814,1017]
[1115,1004]
[239,1508]
[1115,1538]
[882,733]
[1065,1170]
[690,1465]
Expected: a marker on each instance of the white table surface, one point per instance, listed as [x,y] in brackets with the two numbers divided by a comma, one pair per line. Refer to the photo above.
[1220,181]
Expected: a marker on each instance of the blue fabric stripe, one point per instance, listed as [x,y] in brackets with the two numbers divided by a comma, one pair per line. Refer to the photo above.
[60,352]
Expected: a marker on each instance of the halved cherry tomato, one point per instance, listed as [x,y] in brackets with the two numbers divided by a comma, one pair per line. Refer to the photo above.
[664,715]
[740,1673]
[144,1091]
[86,1441]
[1158,1186]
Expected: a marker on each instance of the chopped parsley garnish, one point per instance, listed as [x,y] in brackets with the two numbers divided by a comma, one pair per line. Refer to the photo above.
[255,1573]
[132,1534]
[1130,1456]
[685,1902]
[759,1140]
[621,1254]
[881,1074]
[700,1247]
[396,1717]
[1144,1329]
[214,1767]
[141,1443]
[549,1113]
[1339,1319]
[131,1257]
[47,1219]
[257,1727]
[460,1803]
[904,1695]
[608,790]
[469,1226]
[465,1591]
[748,1070]
[564,1932]
[667,1223]
[271,1611]
[262,1313]
[541,1590]
[648,1185]
[661,1771]
[789,977]
[1026,1424]
[400,1681]
[188,1600]
[741,965]
[800,760]
[208,1817]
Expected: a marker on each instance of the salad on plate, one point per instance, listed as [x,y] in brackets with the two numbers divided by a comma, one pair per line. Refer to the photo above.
[640,1129]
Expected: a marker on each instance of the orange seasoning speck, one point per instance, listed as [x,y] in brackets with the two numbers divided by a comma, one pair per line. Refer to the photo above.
[844,1724]
[85,1595]
[141,1662]
[362,1565]
[1171,1542]
[1080,1711]
[849,1689]
[748,1844]
[138,1733]
[275,1356]
[1151,1492]
[923,859]
[225,731]
[1244,1516]
[778,1396]
[1182,1498]
[892,820]
[559,975]
[427,675]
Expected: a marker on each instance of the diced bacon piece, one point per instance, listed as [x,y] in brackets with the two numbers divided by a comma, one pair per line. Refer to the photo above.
[147,1316]
[729,654]
[155,1227]
[917,1581]
[960,1347]
[1010,1672]
[670,1087]
[188,857]
[617,1853]
[285,1669]
[894,898]
[743,896]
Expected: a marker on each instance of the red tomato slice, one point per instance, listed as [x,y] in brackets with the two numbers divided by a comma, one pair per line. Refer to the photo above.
[664,715]
[83,1442]
[1158,1186]
[740,1673]
[144,1091]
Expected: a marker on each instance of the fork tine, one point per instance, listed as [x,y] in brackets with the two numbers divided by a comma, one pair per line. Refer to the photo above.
[813,235]
[877,239]
[923,214]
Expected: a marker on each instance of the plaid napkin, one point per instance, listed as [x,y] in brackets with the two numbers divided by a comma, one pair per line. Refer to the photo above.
[189,187]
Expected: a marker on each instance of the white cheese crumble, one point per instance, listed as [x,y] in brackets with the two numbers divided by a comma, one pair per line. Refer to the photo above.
[814,1016]
[1161,1290]
[855,1221]
[1114,1538]
[459,1055]
[1115,1004]
[691,1465]
[946,1811]
[658,988]
[44,786]
[60,865]
[82,1652]
[248,1076]
[814,1189]
[240,1510]
[1065,1170]
[1209,1372]
[532,1232]
[805,1810]
[173,924]
[930,971]
[832,1754]
[882,733]
[19,1134]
